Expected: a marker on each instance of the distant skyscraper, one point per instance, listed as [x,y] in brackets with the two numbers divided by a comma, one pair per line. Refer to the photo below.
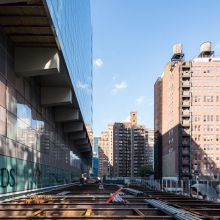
[187,116]
[132,147]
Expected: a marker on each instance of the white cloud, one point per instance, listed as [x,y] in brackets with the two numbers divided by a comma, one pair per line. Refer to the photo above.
[81,85]
[84,86]
[139,100]
[217,46]
[127,119]
[123,85]
[98,62]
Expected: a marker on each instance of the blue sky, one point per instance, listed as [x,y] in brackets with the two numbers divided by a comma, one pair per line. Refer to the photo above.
[132,42]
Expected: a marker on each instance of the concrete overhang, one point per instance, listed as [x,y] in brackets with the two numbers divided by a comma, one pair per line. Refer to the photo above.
[77,135]
[29,26]
[81,142]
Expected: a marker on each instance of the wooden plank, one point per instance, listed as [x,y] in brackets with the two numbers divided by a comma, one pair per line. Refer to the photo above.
[88,212]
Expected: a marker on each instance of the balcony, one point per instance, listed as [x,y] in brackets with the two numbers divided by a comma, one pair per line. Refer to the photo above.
[185,84]
[186,113]
[185,162]
[185,123]
[186,143]
[186,93]
[185,132]
[186,103]
[185,152]
[185,74]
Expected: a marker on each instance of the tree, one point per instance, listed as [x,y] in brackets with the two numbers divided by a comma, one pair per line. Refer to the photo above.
[144,171]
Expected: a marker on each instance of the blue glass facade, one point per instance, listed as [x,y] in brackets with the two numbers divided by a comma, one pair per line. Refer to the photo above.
[72,22]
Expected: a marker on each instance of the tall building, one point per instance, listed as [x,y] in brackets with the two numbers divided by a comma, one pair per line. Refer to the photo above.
[187,116]
[45,93]
[95,155]
[132,147]
[103,153]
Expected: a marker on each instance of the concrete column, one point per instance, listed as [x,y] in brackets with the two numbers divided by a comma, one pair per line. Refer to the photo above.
[66,114]
[70,127]
[52,96]
[36,61]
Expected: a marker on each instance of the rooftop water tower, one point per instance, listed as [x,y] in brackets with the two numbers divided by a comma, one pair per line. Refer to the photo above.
[206,49]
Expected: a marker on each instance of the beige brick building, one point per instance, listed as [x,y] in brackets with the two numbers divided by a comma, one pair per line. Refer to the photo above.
[187,116]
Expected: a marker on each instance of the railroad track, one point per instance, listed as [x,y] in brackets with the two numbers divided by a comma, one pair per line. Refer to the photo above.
[88,202]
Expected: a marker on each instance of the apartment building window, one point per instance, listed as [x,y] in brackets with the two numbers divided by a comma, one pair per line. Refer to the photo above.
[217,108]
[204,98]
[198,118]
[211,128]
[204,89]
[208,166]
[217,128]
[217,98]
[199,89]
[212,108]
[208,127]
[208,117]
[204,158]
[217,70]
[217,158]
[208,138]
[217,79]
[198,127]
[204,108]
[217,137]
[217,147]
[211,117]
[204,146]
[204,118]
[208,98]
[204,137]
[208,69]
[212,98]
[217,117]
[208,89]
[204,79]
[211,138]
[217,89]
[204,166]
[199,137]
[204,69]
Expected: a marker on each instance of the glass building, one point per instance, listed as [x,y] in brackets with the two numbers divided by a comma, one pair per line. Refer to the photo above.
[45,93]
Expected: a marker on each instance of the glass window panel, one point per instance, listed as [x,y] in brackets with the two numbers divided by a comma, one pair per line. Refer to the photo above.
[11,168]
[28,116]
[20,107]
[33,98]
[20,175]
[2,61]
[4,175]
[21,131]
[11,99]
[38,175]
[2,121]
[29,175]
[2,90]
[27,91]
[34,119]
[11,126]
